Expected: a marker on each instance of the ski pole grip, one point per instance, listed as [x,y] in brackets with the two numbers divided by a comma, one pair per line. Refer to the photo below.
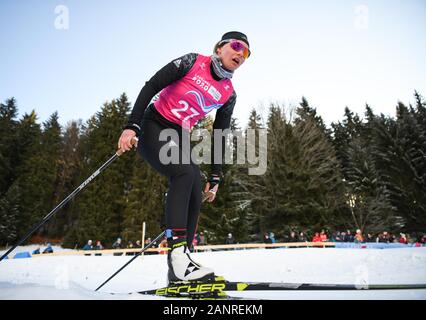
[134,142]
[206,195]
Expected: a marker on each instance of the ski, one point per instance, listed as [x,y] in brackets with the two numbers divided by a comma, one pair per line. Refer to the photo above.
[219,288]
[200,290]
[267,286]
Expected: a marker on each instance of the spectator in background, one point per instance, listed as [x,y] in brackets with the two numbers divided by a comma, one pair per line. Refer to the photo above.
[99,245]
[293,237]
[49,249]
[349,237]
[403,238]
[359,238]
[420,241]
[163,246]
[117,244]
[383,237]
[336,237]
[266,238]
[191,246]
[203,239]
[323,236]
[194,241]
[272,237]
[148,241]
[302,237]
[317,237]
[130,246]
[197,238]
[138,244]
[230,239]
[370,238]
[88,245]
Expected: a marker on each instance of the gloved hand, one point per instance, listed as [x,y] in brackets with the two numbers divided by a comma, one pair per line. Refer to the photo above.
[211,188]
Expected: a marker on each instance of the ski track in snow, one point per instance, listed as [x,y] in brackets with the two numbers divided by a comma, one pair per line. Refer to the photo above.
[76,277]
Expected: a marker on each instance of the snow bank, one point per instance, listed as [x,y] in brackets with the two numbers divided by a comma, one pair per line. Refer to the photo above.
[32,247]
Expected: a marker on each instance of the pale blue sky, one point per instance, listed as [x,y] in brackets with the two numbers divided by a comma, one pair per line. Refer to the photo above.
[336,53]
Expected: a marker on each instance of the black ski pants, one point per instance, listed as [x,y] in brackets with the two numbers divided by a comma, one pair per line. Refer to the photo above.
[184,194]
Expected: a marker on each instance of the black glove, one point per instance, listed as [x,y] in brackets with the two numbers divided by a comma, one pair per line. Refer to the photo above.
[213,180]
[133,126]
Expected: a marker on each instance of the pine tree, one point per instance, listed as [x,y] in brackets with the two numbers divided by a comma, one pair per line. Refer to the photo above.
[343,132]
[8,144]
[324,189]
[226,215]
[251,184]
[37,171]
[311,112]
[100,207]
[69,166]
[367,198]
[30,179]
[8,218]
[144,202]
[369,174]
[399,149]
[50,150]
[302,188]
[9,158]
[223,216]
[273,202]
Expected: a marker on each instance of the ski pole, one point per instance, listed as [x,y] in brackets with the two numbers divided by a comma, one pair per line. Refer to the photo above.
[149,245]
[66,200]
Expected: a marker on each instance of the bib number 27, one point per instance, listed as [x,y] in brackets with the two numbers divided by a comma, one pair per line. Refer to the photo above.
[185,110]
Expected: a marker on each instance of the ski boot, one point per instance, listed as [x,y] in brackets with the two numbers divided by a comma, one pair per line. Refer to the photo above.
[182,268]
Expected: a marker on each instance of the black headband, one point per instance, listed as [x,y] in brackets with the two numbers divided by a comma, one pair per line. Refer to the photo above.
[236,35]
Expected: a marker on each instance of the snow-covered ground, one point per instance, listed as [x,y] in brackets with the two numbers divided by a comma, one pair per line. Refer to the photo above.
[76,277]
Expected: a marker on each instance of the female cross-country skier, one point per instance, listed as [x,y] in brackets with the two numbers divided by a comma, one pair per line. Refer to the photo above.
[191,86]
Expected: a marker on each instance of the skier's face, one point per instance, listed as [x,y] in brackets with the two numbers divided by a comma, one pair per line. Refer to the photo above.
[233,54]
